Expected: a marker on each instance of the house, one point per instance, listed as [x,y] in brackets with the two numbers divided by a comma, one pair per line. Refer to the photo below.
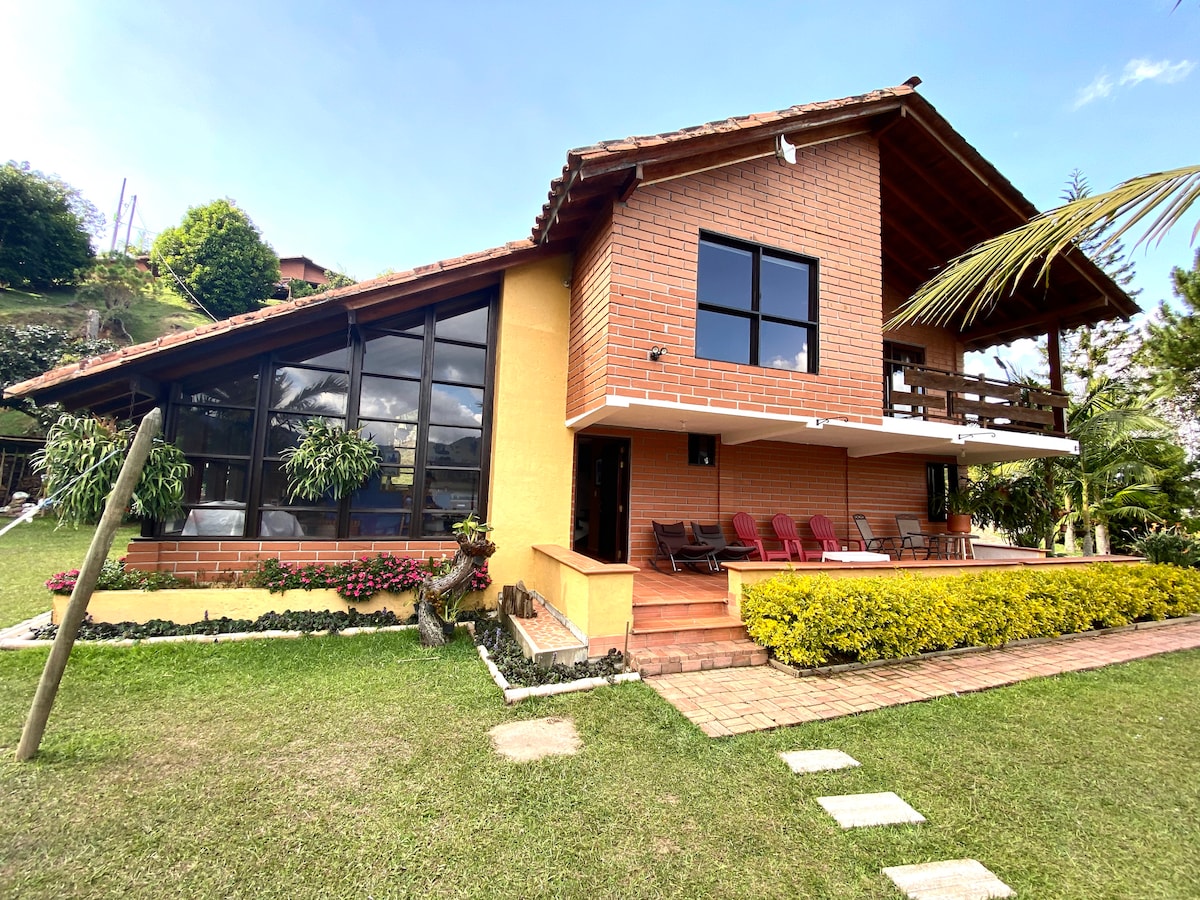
[301,268]
[696,327]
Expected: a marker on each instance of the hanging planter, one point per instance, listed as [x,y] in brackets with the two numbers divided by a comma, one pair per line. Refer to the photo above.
[329,460]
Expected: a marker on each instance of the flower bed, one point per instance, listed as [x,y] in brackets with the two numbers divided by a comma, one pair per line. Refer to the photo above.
[813,620]
[306,621]
[518,669]
[368,584]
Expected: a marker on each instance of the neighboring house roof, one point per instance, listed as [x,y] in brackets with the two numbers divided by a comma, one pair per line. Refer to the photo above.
[938,197]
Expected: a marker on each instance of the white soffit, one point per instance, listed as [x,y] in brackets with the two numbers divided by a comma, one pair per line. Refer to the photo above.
[860,439]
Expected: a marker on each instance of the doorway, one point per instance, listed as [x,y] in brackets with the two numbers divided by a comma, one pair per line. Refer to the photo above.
[602,498]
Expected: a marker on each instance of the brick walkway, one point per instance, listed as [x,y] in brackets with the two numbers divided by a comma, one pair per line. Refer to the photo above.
[732,701]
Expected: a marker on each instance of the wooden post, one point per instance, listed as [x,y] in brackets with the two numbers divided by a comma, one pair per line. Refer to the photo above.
[89,574]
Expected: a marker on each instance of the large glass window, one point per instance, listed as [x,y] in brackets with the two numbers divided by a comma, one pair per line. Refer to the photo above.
[418,385]
[755,305]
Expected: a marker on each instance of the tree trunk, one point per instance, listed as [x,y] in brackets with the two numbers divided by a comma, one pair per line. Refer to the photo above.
[467,559]
[1069,538]
[1102,545]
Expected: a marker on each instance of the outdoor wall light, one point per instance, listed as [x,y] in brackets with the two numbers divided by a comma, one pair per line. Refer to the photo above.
[657,353]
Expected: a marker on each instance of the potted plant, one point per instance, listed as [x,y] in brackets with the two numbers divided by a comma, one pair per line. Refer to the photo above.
[329,460]
[960,506]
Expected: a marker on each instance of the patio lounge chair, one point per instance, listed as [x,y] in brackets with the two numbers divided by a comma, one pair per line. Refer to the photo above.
[822,530]
[673,544]
[913,538]
[747,533]
[712,534]
[785,530]
[886,544]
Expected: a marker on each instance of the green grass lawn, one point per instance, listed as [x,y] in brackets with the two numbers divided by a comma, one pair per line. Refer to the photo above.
[357,767]
[160,313]
[31,553]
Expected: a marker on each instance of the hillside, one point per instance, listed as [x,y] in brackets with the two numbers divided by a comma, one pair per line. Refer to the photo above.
[161,313]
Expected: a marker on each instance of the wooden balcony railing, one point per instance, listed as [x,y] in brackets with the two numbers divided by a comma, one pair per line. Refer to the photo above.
[937,395]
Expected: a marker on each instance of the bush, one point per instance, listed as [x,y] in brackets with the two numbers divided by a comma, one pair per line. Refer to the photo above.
[521,671]
[115,577]
[1170,546]
[359,580]
[306,621]
[812,620]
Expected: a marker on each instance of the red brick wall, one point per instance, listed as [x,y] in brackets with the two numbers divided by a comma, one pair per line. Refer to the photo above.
[942,348]
[590,288]
[216,560]
[826,206]
[764,478]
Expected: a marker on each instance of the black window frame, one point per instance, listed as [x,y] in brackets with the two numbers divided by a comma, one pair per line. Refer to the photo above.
[940,479]
[262,409]
[754,315]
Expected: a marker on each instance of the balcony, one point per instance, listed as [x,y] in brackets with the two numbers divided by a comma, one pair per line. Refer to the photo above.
[914,391]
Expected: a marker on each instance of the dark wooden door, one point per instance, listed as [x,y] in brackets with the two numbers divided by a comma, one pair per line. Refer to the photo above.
[602,498]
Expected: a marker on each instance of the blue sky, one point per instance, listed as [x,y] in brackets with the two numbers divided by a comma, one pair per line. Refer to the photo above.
[397,134]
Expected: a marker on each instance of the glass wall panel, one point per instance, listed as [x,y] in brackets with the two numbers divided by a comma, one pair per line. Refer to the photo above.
[783,286]
[453,405]
[211,430]
[240,390]
[723,337]
[390,354]
[217,481]
[275,489]
[783,346]
[389,398]
[724,276]
[332,352]
[454,363]
[453,446]
[297,523]
[397,442]
[309,391]
[284,431]
[469,326]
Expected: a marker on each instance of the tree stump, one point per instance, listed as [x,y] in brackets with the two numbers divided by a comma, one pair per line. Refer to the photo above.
[517,600]
[470,556]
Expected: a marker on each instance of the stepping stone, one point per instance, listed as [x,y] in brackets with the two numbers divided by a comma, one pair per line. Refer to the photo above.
[954,879]
[864,810]
[536,738]
[804,761]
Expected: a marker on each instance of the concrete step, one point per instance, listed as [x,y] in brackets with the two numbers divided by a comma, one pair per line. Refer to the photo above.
[646,610]
[666,632]
[697,657]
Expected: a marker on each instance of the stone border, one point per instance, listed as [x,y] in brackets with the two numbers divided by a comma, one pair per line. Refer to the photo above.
[825,671]
[24,644]
[514,695]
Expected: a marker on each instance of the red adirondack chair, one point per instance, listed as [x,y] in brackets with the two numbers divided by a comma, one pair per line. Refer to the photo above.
[785,530]
[822,530]
[747,533]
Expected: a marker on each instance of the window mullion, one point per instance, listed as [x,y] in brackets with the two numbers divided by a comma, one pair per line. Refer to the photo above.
[424,404]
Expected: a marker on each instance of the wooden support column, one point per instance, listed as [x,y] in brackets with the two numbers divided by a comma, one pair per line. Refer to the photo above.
[1054,356]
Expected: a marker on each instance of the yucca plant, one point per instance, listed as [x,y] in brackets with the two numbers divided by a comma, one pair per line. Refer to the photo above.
[975,281]
[82,458]
[329,460]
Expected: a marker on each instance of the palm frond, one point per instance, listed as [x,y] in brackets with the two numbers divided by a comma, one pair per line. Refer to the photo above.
[975,281]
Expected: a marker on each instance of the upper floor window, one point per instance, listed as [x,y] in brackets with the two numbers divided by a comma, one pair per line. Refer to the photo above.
[755,305]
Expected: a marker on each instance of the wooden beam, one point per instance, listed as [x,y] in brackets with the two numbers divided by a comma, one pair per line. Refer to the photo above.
[631,183]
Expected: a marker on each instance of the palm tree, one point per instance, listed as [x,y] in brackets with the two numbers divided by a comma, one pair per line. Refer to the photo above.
[1121,448]
[975,281]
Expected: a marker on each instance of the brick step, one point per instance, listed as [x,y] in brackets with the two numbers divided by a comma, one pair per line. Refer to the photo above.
[667,632]
[645,610]
[697,657]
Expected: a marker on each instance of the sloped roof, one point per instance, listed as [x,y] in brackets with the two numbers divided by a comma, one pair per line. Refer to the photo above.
[939,196]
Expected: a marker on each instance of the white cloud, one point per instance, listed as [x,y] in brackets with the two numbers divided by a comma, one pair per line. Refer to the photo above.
[1101,86]
[1136,71]
[1139,70]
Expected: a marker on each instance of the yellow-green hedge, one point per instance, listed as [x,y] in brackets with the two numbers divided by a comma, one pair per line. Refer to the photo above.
[811,619]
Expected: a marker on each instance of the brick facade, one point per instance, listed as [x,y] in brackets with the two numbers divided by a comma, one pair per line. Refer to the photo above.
[220,560]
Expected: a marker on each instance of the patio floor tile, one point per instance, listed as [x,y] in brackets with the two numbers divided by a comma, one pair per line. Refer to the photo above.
[779,699]
[953,879]
[804,761]
[868,810]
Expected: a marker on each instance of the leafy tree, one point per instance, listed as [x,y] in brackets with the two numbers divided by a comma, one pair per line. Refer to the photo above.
[30,350]
[1105,346]
[114,282]
[1171,349]
[299,288]
[218,255]
[45,228]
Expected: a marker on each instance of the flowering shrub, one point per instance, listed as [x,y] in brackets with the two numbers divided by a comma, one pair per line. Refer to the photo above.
[358,580]
[115,577]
